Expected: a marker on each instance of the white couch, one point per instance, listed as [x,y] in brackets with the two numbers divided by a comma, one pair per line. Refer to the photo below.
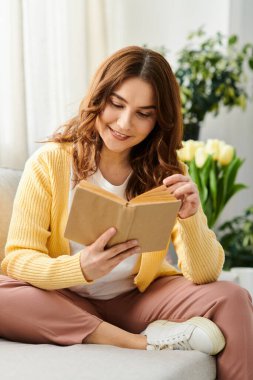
[19,361]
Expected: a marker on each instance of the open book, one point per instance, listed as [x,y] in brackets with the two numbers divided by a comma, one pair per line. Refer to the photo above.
[149,217]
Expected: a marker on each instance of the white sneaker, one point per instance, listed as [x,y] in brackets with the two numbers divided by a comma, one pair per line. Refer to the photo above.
[197,333]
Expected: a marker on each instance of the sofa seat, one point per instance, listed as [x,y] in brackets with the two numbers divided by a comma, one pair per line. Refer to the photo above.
[19,361]
[95,362]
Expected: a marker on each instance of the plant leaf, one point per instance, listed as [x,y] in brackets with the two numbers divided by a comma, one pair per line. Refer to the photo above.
[232,39]
[230,173]
[213,185]
[235,188]
[193,171]
[250,61]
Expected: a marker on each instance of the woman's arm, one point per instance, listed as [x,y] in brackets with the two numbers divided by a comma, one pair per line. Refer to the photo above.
[27,249]
[35,245]
[200,255]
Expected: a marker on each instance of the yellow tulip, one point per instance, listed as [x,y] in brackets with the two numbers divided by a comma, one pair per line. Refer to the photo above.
[201,156]
[181,154]
[213,147]
[226,154]
[189,149]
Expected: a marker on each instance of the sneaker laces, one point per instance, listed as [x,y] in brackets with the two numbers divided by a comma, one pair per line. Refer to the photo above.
[179,342]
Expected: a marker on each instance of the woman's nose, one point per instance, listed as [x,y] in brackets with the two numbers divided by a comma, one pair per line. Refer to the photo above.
[124,120]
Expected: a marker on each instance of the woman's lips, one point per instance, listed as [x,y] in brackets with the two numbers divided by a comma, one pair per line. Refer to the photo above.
[117,135]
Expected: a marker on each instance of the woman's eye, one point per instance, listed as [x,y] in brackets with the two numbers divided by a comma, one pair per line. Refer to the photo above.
[140,114]
[116,105]
[144,115]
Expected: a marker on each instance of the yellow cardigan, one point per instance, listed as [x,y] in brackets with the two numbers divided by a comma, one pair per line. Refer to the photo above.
[38,253]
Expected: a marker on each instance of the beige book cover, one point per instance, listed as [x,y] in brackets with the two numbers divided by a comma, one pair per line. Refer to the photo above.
[149,217]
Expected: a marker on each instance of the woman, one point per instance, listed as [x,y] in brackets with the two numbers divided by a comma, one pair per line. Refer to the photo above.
[124,139]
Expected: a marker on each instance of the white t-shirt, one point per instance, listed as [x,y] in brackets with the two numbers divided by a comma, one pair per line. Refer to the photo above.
[120,279]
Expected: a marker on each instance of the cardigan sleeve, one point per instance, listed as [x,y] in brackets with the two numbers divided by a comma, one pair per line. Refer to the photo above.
[200,255]
[27,257]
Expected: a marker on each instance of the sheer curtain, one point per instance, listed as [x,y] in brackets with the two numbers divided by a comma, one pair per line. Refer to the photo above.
[49,50]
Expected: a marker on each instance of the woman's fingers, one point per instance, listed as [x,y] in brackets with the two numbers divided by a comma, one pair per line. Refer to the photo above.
[103,239]
[116,260]
[123,248]
[100,244]
[183,188]
[175,178]
[96,261]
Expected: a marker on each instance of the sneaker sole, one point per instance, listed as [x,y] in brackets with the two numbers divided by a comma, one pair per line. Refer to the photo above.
[210,328]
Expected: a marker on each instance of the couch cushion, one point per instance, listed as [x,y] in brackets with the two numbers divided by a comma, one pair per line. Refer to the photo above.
[9,180]
[95,362]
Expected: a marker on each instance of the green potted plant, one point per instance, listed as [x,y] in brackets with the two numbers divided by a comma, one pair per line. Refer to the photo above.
[211,72]
[236,237]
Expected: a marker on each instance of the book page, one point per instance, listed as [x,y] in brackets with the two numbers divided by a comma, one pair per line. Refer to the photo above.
[91,215]
[158,194]
[153,224]
[102,192]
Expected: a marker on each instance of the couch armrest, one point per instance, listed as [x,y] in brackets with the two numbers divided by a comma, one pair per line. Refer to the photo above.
[9,180]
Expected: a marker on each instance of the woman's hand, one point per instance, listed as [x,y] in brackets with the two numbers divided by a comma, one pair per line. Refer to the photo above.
[96,260]
[183,188]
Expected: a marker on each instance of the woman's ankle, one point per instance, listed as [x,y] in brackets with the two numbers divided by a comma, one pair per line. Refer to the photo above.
[112,335]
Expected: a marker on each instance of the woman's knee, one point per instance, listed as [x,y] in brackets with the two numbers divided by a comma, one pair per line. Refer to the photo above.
[17,297]
[233,291]
[8,288]
[230,298]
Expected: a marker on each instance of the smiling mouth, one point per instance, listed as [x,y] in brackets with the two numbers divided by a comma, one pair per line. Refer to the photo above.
[118,135]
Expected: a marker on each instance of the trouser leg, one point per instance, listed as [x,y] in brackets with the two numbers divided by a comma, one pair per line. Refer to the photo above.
[32,315]
[177,299]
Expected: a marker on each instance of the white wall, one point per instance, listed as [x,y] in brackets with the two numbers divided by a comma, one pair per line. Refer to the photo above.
[162,22]
[168,22]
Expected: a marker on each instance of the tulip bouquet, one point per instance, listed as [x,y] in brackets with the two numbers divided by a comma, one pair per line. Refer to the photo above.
[213,166]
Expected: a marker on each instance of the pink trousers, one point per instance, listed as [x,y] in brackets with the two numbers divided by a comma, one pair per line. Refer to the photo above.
[33,315]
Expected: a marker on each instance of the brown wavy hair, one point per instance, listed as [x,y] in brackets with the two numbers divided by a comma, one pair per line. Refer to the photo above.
[155,157]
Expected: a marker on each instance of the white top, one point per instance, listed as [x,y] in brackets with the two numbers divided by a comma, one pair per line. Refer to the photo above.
[120,279]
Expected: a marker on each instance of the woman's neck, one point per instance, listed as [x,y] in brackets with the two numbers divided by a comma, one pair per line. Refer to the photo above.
[115,167]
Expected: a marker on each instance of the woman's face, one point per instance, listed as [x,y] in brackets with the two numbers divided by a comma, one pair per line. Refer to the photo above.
[129,115]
